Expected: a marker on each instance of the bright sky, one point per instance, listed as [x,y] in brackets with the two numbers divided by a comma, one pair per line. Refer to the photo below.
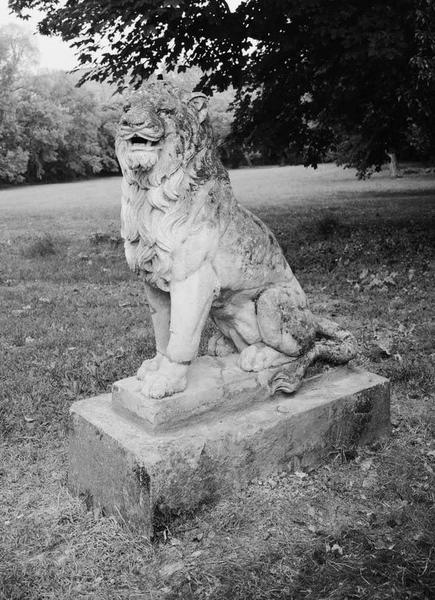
[54,53]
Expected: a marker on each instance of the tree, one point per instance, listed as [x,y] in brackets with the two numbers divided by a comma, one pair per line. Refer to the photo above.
[352,75]
[219,108]
[49,128]
[309,75]
[68,133]
[17,53]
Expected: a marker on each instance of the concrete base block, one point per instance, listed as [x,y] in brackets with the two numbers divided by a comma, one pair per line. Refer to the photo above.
[121,464]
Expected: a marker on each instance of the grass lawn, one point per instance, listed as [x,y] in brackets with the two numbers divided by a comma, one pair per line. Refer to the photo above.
[73,319]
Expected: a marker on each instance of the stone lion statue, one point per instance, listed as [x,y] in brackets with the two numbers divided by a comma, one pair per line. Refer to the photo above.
[201,253]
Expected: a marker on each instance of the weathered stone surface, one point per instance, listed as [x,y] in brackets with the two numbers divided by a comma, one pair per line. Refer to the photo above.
[119,464]
[216,385]
[200,252]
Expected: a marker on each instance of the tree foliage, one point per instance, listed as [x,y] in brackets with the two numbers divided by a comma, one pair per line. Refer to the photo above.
[309,75]
[50,130]
[16,50]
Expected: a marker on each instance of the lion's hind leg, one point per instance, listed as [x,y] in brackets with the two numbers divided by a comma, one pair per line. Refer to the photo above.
[338,347]
[341,346]
[287,325]
[284,319]
[284,326]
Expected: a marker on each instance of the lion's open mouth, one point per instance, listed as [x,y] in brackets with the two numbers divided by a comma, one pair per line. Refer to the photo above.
[139,142]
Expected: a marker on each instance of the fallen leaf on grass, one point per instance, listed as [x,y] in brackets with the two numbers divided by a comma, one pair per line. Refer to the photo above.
[375,282]
[194,535]
[381,544]
[384,343]
[334,549]
[391,278]
[370,480]
[20,311]
[366,464]
[171,568]
[175,542]
[380,280]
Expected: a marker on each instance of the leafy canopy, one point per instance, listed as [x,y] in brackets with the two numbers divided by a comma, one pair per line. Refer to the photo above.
[49,129]
[310,75]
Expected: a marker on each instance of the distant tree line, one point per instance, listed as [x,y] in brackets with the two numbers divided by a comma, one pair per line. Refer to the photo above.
[353,80]
[310,81]
[50,130]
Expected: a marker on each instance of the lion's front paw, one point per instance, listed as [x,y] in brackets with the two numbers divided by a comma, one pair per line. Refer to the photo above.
[150,365]
[219,345]
[168,379]
[159,386]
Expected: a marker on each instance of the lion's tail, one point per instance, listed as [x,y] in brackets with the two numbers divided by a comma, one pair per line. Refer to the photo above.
[339,346]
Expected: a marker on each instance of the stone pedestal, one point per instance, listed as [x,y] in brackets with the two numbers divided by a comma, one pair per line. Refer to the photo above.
[130,454]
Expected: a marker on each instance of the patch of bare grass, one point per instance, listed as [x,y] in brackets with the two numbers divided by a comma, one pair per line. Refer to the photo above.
[39,247]
[416,373]
[103,237]
[328,226]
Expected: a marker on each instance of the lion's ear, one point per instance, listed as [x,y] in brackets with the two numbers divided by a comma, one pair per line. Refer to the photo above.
[200,103]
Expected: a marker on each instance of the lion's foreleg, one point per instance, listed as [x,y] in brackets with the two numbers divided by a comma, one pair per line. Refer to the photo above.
[190,305]
[191,300]
[159,303]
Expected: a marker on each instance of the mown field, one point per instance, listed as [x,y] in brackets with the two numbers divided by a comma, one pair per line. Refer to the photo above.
[73,319]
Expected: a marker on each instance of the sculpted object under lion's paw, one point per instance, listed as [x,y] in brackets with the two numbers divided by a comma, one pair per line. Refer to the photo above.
[259,356]
[202,253]
[219,345]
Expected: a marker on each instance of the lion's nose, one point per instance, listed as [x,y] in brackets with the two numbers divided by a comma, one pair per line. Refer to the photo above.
[145,121]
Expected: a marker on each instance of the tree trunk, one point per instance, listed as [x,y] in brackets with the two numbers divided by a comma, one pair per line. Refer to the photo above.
[284,158]
[394,165]
[246,157]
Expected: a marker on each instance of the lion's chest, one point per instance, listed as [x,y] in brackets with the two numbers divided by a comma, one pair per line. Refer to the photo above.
[147,231]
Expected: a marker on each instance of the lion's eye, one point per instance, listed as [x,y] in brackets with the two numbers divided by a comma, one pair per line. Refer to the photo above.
[166,110]
[127,107]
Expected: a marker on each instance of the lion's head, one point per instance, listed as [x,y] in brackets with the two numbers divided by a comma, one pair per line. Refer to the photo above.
[162,129]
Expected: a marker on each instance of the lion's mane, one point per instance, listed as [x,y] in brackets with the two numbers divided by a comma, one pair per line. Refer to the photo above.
[157,209]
